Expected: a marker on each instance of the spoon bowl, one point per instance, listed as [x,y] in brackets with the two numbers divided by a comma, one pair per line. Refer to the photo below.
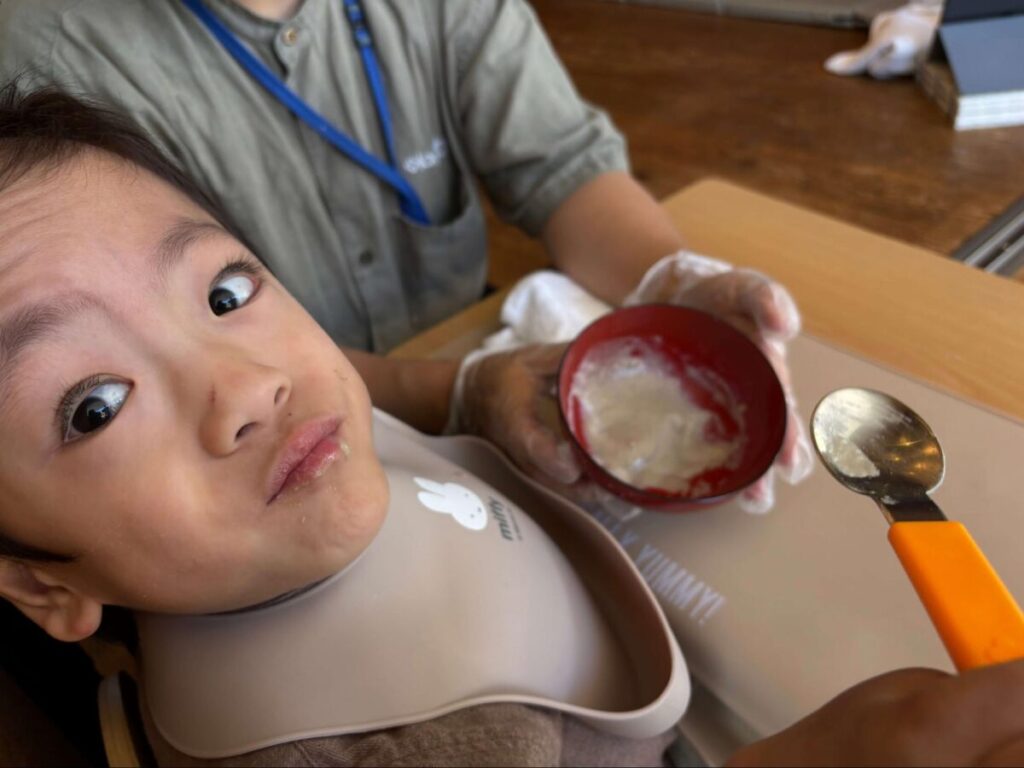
[875,445]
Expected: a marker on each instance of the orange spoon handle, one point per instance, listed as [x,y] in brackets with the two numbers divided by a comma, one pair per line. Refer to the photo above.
[976,616]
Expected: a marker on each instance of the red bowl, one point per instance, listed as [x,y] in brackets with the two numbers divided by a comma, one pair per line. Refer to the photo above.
[687,338]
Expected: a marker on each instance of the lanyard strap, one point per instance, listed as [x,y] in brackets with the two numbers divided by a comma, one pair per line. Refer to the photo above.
[387,172]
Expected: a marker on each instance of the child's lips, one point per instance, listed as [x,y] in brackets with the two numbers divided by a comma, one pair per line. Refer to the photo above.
[307,452]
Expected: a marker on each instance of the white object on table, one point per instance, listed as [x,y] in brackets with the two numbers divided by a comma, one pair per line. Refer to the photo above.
[897,42]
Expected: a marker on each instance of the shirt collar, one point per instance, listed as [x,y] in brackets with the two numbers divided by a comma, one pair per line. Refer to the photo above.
[256,29]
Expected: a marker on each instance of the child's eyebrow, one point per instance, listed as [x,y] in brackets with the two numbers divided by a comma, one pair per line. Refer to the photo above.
[176,241]
[34,323]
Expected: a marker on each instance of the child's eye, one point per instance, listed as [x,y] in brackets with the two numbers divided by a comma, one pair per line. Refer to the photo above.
[90,406]
[232,292]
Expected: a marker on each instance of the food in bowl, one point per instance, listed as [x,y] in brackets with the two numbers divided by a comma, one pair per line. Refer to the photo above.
[651,428]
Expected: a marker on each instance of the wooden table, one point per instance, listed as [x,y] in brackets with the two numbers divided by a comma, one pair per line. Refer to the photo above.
[700,95]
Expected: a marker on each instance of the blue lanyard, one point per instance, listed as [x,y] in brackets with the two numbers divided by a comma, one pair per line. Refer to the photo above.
[387,172]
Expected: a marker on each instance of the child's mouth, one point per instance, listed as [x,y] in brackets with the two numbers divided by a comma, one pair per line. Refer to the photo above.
[307,453]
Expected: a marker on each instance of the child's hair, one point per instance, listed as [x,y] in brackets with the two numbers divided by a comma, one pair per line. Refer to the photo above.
[45,129]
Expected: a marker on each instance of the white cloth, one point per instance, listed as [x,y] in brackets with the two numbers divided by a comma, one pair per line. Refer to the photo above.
[543,308]
[897,42]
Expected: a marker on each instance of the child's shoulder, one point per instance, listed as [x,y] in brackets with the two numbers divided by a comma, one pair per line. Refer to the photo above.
[509,734]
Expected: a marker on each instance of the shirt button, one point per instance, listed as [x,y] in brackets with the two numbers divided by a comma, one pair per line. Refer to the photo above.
[290,36]
[366,258]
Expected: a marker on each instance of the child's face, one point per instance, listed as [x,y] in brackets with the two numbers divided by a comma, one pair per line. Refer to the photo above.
[147,432]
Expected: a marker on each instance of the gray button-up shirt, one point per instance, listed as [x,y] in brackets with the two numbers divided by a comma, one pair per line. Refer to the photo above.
[475,94]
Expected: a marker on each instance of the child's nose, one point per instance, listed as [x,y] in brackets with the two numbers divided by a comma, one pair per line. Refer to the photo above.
[243,397]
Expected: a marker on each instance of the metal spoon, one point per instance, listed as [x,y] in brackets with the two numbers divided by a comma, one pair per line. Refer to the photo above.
[875,445]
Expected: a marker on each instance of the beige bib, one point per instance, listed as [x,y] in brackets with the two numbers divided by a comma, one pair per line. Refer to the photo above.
[462,599]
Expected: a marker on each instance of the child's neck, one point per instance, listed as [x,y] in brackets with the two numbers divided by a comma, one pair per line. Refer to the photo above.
[274,10]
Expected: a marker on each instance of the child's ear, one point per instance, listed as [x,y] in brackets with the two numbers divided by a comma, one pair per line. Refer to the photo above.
[63,612]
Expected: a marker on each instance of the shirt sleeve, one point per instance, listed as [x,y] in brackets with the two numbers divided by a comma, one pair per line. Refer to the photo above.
[530,137]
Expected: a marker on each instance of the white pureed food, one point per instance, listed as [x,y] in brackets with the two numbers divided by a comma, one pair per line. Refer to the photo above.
[643,427]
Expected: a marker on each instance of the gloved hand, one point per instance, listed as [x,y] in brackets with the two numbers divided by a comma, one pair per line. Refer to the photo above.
[897,42]
[510,398]
[765,312]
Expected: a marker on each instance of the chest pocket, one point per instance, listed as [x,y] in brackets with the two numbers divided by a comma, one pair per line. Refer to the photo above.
[443,266]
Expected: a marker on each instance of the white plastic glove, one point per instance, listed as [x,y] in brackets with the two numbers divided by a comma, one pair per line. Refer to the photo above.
[764,311]
[509,397]
[897,42]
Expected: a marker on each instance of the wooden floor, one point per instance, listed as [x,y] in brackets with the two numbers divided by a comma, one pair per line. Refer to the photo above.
[702,95]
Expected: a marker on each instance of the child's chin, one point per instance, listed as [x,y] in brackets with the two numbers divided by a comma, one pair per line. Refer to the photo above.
[354,532]
[344,532]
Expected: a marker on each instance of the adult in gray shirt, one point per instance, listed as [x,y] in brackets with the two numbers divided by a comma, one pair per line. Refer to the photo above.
[474,94]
